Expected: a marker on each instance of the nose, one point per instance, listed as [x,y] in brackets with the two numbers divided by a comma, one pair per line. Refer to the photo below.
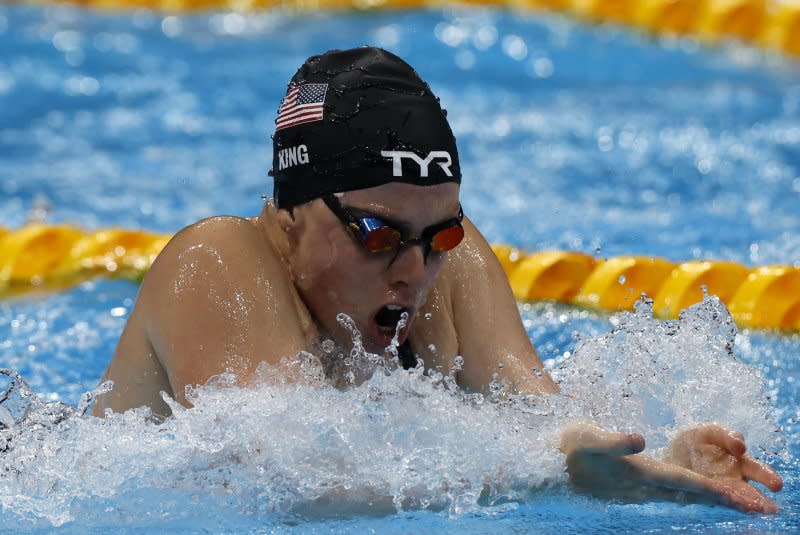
[409,266]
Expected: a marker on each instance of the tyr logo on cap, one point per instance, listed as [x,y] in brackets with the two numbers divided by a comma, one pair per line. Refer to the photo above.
[397,157]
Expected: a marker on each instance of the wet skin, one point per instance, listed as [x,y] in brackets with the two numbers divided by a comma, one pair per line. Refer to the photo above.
[230,293]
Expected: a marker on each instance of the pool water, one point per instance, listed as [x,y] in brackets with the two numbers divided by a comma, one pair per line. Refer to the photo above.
[590,139]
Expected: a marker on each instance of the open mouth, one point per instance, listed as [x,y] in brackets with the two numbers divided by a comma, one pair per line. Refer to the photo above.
[389,316]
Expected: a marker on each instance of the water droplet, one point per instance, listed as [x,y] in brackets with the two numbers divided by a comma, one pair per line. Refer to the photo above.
[543,67]
[514,46]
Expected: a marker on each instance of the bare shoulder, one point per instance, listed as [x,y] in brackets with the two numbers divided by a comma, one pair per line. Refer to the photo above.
[212,255]
[219,297]
[475,286]
[207,242]
[489,331]
[453,310]
[472,258]
[471,267]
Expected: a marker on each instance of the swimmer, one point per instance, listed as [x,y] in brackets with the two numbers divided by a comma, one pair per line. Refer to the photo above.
[366,220]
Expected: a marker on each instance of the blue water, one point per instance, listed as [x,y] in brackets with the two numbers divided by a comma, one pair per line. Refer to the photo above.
[590,139]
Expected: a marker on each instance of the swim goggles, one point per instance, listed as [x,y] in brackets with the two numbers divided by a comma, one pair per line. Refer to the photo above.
[378,236]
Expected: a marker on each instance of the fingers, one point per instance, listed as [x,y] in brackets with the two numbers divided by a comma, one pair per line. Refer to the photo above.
[589,438]
[610,443]
[747,498]
[747,503]
[758,471]
[674,477]
[731,441]
[736,494]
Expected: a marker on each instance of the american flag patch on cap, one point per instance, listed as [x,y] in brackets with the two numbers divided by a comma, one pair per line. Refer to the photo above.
[302,104]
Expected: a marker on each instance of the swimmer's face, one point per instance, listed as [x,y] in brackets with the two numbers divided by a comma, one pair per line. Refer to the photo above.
[334,273]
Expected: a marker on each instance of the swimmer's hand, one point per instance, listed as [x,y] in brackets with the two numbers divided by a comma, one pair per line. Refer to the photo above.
[609,464]
[720,454]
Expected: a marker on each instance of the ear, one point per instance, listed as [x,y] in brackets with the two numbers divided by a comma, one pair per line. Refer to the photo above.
[285,219]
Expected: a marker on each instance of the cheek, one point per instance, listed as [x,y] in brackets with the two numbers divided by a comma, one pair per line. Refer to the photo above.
[316,253]
[353,276]
[331,268]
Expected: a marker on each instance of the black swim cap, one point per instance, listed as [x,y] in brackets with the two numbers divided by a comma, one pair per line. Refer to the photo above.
[358,118]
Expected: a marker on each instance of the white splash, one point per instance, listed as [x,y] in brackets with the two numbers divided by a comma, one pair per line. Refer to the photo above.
[655,377]
[382,442]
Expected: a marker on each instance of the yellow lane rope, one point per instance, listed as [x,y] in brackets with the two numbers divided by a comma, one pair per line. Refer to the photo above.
[53,257]
[41,256]
[770,24]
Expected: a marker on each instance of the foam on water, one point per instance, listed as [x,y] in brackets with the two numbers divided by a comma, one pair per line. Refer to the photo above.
[655,377]
[386,441]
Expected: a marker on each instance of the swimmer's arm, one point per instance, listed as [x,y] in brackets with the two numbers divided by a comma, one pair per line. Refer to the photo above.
[491,337]
[214,302]
[137,374]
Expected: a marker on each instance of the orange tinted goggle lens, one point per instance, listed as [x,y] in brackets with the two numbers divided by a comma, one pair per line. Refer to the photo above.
[447,238]
[382,239]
